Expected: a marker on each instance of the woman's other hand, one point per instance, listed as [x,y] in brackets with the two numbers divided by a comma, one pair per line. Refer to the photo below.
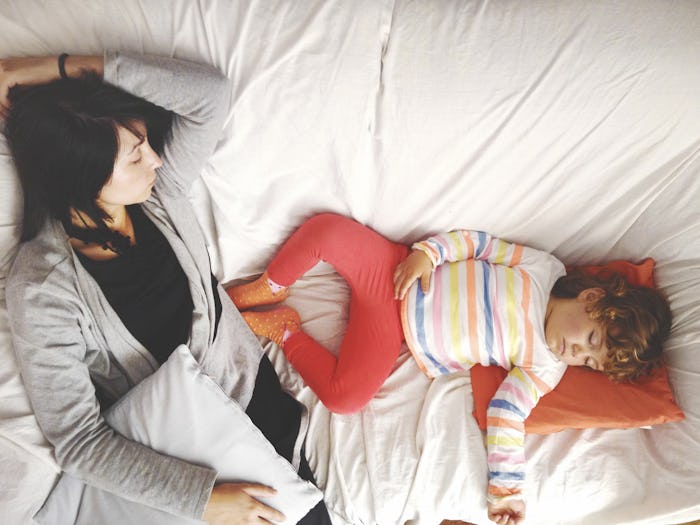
[28,71]
[236,504]
[416,265]
[508,513]
[24,71]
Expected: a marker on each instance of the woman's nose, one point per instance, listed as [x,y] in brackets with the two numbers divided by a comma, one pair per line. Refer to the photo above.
[158,162]
[155,160]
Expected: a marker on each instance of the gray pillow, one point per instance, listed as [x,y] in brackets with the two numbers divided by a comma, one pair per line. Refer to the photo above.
[179,395]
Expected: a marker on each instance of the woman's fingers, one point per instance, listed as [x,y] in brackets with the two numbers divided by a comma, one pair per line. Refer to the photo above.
[264,511]
[4,92]
[258,491]
[270,514]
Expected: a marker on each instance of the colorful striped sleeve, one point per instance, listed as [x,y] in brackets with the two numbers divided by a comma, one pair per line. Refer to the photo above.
[460,245]
[505,437]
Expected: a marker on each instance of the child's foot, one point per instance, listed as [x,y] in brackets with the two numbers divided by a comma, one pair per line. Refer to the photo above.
[262,290]
[277,324]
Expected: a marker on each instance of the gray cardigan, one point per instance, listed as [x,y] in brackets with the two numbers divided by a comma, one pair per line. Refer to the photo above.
[69,340]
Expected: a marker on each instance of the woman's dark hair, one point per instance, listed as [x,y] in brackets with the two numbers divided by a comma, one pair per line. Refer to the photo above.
[64,139]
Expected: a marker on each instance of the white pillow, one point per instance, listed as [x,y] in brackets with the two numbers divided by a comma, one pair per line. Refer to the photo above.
[154,413]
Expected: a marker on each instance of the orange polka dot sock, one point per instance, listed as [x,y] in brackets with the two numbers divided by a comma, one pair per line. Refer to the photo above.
[261,291]
[277,324]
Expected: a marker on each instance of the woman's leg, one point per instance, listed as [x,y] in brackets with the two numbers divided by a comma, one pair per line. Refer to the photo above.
[277,415]
[318,515]
[374,335]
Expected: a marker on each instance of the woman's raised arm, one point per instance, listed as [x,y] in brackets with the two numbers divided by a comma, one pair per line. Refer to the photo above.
[27,71]
[198,94]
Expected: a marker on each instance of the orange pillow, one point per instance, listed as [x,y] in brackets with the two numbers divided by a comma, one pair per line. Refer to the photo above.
[585,398]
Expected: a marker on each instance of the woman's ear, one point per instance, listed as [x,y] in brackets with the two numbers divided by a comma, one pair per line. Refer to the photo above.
[590,295]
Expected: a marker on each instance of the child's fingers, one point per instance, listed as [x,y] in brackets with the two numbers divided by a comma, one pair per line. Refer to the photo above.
[402,281]
[397,283]
[404,284]
[425,282]
[398,286]
[398,279]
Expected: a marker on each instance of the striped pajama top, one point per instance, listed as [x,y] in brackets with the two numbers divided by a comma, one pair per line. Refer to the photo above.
[486,305]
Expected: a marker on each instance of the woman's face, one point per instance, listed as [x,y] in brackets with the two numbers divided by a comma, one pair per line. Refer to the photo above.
[134,172]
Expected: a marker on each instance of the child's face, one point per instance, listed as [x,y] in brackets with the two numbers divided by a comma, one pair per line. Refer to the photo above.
[572,336]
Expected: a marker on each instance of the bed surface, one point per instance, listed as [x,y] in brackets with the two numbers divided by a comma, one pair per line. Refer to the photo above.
[570,126]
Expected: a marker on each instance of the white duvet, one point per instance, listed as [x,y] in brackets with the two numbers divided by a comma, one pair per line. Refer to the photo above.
[568,125]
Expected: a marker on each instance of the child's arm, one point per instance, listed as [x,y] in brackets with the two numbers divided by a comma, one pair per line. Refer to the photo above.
[451,247]
[507,411]
[460,245]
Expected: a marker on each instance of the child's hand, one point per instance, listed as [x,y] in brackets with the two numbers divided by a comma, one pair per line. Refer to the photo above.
[507,513]
[416,265]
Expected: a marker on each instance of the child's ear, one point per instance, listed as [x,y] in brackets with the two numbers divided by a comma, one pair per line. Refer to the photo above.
[590,295]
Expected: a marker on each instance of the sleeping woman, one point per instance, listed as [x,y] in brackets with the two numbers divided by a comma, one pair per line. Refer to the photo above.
[113,272]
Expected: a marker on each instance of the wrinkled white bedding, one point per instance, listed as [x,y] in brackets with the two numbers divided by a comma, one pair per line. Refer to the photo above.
[571,126]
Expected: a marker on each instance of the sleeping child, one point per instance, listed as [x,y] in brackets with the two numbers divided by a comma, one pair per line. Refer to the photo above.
[458,299]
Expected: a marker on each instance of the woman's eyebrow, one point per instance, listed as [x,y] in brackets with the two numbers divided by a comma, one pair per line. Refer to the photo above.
[136,145]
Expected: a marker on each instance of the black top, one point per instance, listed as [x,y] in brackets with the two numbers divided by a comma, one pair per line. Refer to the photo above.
[148,289]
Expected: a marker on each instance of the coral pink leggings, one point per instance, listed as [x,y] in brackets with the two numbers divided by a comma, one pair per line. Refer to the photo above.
[374,335]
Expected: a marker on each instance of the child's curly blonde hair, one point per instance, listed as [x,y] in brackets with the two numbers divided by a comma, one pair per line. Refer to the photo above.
[636,319]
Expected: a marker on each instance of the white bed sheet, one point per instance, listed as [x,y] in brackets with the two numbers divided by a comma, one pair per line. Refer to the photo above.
[568,125]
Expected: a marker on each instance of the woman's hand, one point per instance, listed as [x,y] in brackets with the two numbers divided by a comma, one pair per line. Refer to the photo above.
[24,71]
[236,504]
[416,265]
[508,513]
[29,71]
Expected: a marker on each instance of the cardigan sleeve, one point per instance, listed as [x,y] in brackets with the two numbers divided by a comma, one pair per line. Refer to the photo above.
[54,357]
[197,94]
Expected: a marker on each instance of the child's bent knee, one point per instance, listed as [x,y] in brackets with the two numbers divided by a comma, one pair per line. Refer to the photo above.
[345,405]
[346,399]
[324,223]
